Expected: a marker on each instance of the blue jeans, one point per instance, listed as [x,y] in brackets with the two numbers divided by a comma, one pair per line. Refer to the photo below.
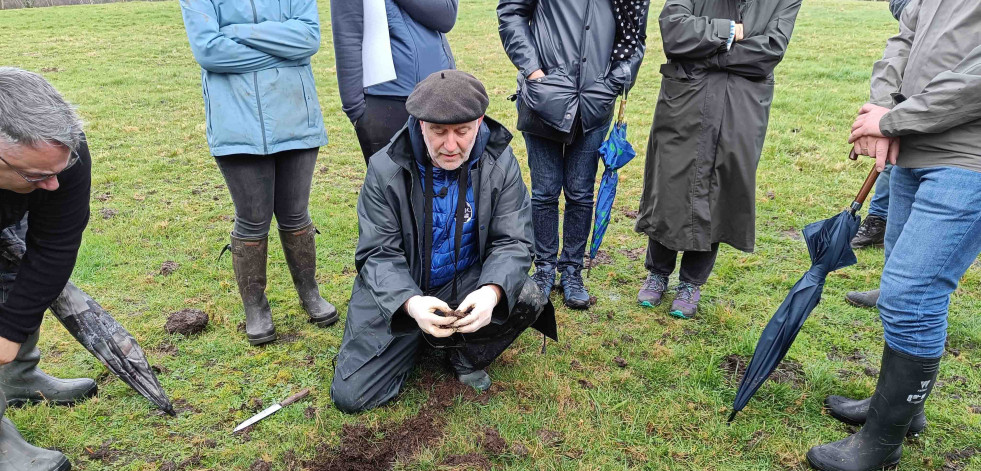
[879,206]
[556,167]
[933,235]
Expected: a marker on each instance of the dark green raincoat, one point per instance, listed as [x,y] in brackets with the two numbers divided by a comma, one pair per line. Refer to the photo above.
[710,121]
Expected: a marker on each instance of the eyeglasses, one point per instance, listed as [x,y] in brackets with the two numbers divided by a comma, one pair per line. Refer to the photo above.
[40,177]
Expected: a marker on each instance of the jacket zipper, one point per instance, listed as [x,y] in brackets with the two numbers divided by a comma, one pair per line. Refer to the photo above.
[255,83]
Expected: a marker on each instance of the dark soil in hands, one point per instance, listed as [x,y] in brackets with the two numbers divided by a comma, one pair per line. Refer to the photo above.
[187,322]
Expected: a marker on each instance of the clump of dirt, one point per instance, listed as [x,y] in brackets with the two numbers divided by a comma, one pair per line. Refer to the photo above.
[957,459]
[586,384]
[255,405]
[492,441]
[519,449]
[103,452]
[168,267]
[108,213]
[602,258]
[631,214]
[871,372]
[619,361]
[260,465]
[456,314]
[550,438]
[187,322]
[634,254]
[310,412]
[468,461]
[787,372]
[361,449]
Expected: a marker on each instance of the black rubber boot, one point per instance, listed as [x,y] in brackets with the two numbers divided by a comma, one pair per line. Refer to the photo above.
[466,373]
[18,455]
[300,249]
[872,233]
[854,411]
[21,381]
[904,384]
[249,261]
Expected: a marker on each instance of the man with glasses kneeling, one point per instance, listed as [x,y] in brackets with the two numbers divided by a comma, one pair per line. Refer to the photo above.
[45,173]
[444,248]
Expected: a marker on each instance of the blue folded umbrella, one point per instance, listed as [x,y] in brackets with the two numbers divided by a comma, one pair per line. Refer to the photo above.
[616,152]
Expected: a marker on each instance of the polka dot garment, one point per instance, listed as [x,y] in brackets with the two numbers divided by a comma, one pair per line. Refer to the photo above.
[631,18]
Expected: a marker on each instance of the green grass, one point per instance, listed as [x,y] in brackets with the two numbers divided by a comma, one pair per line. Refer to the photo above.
[128,68]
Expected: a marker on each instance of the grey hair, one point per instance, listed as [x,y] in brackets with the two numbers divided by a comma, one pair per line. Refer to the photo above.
[32,112]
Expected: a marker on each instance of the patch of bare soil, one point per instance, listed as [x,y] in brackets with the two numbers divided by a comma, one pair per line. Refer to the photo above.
[469,461]
[102,453]
[787,372]
[187,322]
[372,449]
[957,460]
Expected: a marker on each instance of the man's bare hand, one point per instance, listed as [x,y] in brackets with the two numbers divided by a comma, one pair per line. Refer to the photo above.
[536,75]
[739,33]
[8,351]
[480,304]
[423,310]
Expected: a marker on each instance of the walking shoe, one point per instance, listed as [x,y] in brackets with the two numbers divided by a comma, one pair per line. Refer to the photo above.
[872,233]
[544,277]
[686,299]
[574,292]
[904,384]
[863,298]
[652,291]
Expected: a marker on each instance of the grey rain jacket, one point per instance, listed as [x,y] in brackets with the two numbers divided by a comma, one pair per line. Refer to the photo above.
[390,245]
[935,63]
[572,42]
[406,22]
[710,121]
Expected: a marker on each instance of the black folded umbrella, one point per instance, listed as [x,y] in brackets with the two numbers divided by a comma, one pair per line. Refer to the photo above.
[829,243]
[97,331]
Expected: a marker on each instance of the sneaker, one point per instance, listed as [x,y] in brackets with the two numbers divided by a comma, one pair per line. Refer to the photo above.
[867,299]
[872,233]
[544,277]
[574,291]
[685,303]
[652,291]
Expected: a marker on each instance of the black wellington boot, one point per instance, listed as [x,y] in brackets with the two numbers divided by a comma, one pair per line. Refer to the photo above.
[21,381]
[249,261]
[854,411]
[300,249]
[18,455]
[904,384]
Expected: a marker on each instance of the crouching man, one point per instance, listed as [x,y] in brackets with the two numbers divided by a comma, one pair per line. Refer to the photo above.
[45,173]
[445,225]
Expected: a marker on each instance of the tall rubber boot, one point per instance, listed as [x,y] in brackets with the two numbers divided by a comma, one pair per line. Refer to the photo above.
[21,381]
[904,384]
[18,455]
[249,261]
[300,249]
[854,412]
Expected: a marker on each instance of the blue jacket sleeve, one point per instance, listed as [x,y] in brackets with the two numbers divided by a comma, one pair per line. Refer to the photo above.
[438,15]
[294,39]
[218,53]
[347,24]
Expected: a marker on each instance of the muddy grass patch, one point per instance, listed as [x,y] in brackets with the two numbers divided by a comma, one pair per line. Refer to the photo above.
[788,372]
[958,460]
[379,448]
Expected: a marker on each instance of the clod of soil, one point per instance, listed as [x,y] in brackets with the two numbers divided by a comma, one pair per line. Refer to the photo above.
[260,465]
[468,461]
[519,449]
[586,384]
[957,460]
[631,214]
[492,441]
[575,365]
[108,213]
[620,362]
[187,322]
[310,412]
[360,448]
[871,371]
[168,267]
[456,314]
[592,301]
[787,372]
[102,452]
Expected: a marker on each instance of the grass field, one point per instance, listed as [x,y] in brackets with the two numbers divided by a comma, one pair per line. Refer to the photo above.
[158,196]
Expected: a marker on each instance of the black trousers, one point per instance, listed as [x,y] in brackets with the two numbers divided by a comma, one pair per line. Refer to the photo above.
[383,117]
[695,266]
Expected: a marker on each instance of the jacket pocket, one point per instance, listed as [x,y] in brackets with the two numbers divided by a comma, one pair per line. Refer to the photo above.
[552,97]
[309,97]
[207,104]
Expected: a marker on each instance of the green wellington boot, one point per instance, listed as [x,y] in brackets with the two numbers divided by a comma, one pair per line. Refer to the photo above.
[249,261]
[300,249]
[21,381]
[18,455]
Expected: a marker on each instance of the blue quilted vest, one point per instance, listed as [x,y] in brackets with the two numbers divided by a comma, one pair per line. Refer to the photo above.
[444,209]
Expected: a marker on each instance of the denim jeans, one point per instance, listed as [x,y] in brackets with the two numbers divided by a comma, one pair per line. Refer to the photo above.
[879,206]
[933,235]
[555,168]
[264,185]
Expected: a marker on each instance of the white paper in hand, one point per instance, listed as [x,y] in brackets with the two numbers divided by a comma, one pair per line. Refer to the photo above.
[376,50]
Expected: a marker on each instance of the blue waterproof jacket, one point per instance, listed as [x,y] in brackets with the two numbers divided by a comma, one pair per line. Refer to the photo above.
[444,209]
[259,93]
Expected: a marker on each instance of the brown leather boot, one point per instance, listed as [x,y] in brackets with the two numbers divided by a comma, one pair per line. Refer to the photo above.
[300,249]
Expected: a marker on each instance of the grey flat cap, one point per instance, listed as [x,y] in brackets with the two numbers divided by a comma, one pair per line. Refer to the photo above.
[448,97]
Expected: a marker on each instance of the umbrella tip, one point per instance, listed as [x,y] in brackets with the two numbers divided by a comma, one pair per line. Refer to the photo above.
[731,417]
[169,410]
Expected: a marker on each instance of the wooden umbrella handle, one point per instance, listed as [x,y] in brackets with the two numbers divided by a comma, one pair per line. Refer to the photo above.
[867,186]
[296,397]
[623,109]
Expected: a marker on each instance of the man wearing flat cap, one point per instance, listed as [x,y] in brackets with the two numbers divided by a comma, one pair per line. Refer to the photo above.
[444,249]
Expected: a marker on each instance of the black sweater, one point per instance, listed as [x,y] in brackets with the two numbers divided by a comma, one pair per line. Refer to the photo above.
[55,222]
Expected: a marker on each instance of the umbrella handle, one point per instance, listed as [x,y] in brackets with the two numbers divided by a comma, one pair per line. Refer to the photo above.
[866,187]
[623,109]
